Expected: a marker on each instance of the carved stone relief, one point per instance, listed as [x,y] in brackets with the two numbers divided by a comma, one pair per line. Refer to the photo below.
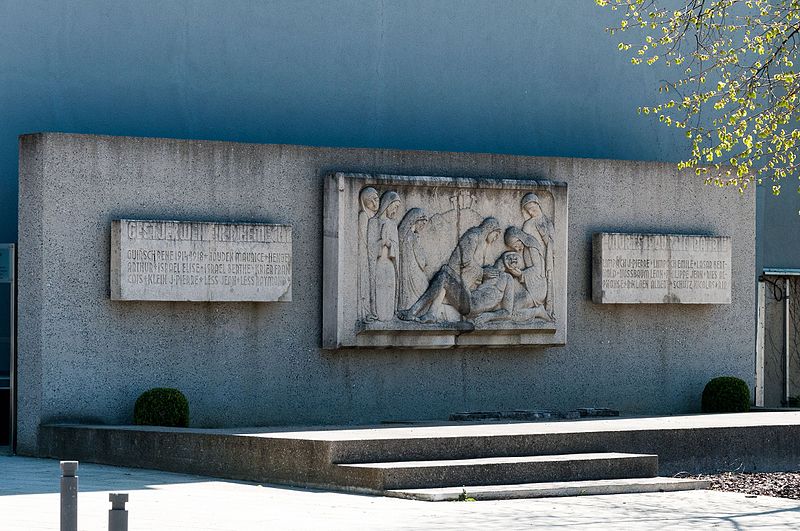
[368,199]
[414,269]
[441,258]
[469,286]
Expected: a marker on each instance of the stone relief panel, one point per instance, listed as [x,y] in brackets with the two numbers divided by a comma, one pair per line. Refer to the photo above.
[439,262]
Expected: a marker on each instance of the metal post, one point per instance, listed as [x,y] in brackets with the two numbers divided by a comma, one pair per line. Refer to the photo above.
[118,516]
[69,496]
[760,330]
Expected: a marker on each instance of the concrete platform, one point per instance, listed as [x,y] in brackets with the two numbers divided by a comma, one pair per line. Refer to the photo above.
[311,456]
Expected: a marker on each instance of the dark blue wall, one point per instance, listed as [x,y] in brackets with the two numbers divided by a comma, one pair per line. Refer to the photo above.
[531,77]
[778,228]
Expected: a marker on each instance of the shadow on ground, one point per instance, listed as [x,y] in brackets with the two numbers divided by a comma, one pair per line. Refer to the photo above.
[24,475]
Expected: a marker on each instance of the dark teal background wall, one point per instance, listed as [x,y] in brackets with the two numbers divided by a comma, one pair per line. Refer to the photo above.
[778,228]
[530,77]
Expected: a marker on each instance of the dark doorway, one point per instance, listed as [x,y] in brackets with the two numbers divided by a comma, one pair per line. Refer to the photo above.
[5,365]
[7,343]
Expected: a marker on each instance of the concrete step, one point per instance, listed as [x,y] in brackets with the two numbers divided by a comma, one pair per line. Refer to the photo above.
[498,470]
[550,490]
[306,456]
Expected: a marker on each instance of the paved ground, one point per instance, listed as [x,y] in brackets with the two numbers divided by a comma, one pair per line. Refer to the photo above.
[162,501]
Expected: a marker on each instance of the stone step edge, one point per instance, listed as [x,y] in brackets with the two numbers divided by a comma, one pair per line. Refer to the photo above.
[551,490]
[551,458]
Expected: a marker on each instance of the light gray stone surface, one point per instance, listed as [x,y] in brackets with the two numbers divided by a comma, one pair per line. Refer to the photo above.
[554,489]
[661,268]
[84,357]
[177,502]
[433,262]
[196,261]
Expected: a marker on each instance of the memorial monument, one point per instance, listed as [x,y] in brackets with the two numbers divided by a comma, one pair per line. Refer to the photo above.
[290,285]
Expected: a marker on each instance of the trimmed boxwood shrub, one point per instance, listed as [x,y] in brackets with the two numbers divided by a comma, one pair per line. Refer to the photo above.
[161,406]
[726,394]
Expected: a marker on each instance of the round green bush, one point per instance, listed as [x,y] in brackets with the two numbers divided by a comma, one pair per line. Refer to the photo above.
[726,394]
[161,406]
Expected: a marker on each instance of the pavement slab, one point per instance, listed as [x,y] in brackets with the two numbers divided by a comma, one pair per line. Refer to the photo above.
[551,489]
[29,500]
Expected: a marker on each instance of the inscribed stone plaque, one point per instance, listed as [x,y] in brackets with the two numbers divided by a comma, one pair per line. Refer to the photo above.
[436,262]
[661,268]
[200,261]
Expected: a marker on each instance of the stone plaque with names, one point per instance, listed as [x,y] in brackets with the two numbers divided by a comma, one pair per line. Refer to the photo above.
[200,261]
[661,268]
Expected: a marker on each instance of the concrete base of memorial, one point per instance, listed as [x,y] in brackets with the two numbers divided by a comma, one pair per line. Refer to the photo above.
[396,460]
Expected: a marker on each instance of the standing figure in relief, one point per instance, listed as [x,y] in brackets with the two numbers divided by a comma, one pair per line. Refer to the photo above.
[413,262]
[538,225]
[368,198]
[384,246]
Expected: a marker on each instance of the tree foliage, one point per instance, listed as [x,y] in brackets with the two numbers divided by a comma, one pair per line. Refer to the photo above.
[735,92]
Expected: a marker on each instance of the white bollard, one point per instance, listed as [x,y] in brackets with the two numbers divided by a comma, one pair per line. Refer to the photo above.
[118,516]
[69,496]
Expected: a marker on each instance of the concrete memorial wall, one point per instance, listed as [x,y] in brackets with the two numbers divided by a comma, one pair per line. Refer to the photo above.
[420,286]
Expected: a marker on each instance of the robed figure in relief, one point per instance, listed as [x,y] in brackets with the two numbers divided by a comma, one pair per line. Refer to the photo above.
[368,200]
[413,259]
[541,228]
[384,248]
[534,275]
